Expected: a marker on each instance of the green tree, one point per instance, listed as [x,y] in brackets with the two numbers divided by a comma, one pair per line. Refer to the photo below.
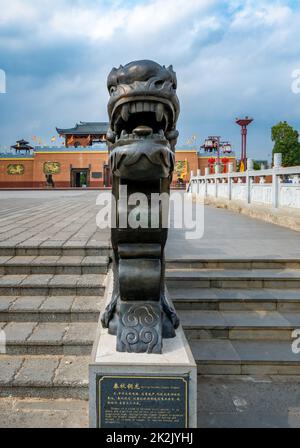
[286,140]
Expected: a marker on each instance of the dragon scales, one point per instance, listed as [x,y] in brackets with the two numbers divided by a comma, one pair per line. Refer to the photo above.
[143,111]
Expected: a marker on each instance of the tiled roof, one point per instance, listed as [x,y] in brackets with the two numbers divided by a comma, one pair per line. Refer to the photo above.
[86,128]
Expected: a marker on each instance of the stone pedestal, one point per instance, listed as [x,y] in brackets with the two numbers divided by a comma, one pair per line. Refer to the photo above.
[134,390]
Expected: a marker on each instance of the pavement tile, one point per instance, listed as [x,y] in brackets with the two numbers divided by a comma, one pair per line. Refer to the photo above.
[20,260]
[6,302]
[18,331]
[92,260]
[81,332]
[46,260]
[69,260]
[266,351]
[87,304]
[41,280]
[64,281]
[90,280]
[58,304]
[254,318]
[37,372]
[27,303]
[214,350]
[11,280]
[202,318]
[50,333]
[9,366]
[72,371]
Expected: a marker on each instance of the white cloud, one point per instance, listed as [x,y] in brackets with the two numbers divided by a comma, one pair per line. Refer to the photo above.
[259,14]
[231,58]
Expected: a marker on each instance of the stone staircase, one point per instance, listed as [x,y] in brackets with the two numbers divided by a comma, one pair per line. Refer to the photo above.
[50,299]
[239,315]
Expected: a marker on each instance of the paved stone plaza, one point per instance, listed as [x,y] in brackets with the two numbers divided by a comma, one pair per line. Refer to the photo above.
[67,219]
[236,290]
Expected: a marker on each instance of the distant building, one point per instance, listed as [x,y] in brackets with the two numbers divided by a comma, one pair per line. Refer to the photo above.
[84,134]
[22,146]
[84,161]
[68,167]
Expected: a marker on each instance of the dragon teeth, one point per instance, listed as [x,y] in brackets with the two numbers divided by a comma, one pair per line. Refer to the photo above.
[139,106]
[125,112]
[159,111]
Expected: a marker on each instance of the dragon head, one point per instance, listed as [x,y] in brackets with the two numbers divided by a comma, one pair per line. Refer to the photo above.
[143,111]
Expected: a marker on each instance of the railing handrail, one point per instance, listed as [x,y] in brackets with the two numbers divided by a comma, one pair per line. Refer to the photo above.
[282,171]
[274,173]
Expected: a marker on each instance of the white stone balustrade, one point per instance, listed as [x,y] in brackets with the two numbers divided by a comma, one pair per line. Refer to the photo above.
[276,187]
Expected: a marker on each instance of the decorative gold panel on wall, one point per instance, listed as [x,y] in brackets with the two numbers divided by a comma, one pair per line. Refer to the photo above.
[15,169]
[52,168]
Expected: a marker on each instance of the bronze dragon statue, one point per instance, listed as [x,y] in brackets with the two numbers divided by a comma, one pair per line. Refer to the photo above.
[143,111]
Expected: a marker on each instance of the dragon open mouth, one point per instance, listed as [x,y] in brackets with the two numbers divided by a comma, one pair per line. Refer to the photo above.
[142,113]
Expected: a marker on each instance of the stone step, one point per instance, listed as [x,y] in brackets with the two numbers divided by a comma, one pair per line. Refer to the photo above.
[240,264]
[233,278]
[260,357]
[54,249]
[20,412]
[33,338]
[55,264]
[50,308]
[44,376]
[52,285]
[239,325]
[235,299]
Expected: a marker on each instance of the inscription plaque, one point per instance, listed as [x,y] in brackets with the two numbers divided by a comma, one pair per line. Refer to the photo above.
[143,401]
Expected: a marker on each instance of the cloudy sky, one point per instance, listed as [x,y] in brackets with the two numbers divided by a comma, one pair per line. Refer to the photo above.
[232,58]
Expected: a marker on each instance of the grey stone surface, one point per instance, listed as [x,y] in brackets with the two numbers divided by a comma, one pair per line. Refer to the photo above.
[43,413]
[9,366]
[258,402]
[255,319]
[37,280]
[50,333]
[72,371]
[238,237]
[57,304]
[19,260]
[214,350]
[266,351]
[46,260]
[87,304]
[17,332]
[36,372]
[201,318]
[12,280]
[6,302]
[64,281]
[91,260]
[90,280]
[30,303]
[83,333]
